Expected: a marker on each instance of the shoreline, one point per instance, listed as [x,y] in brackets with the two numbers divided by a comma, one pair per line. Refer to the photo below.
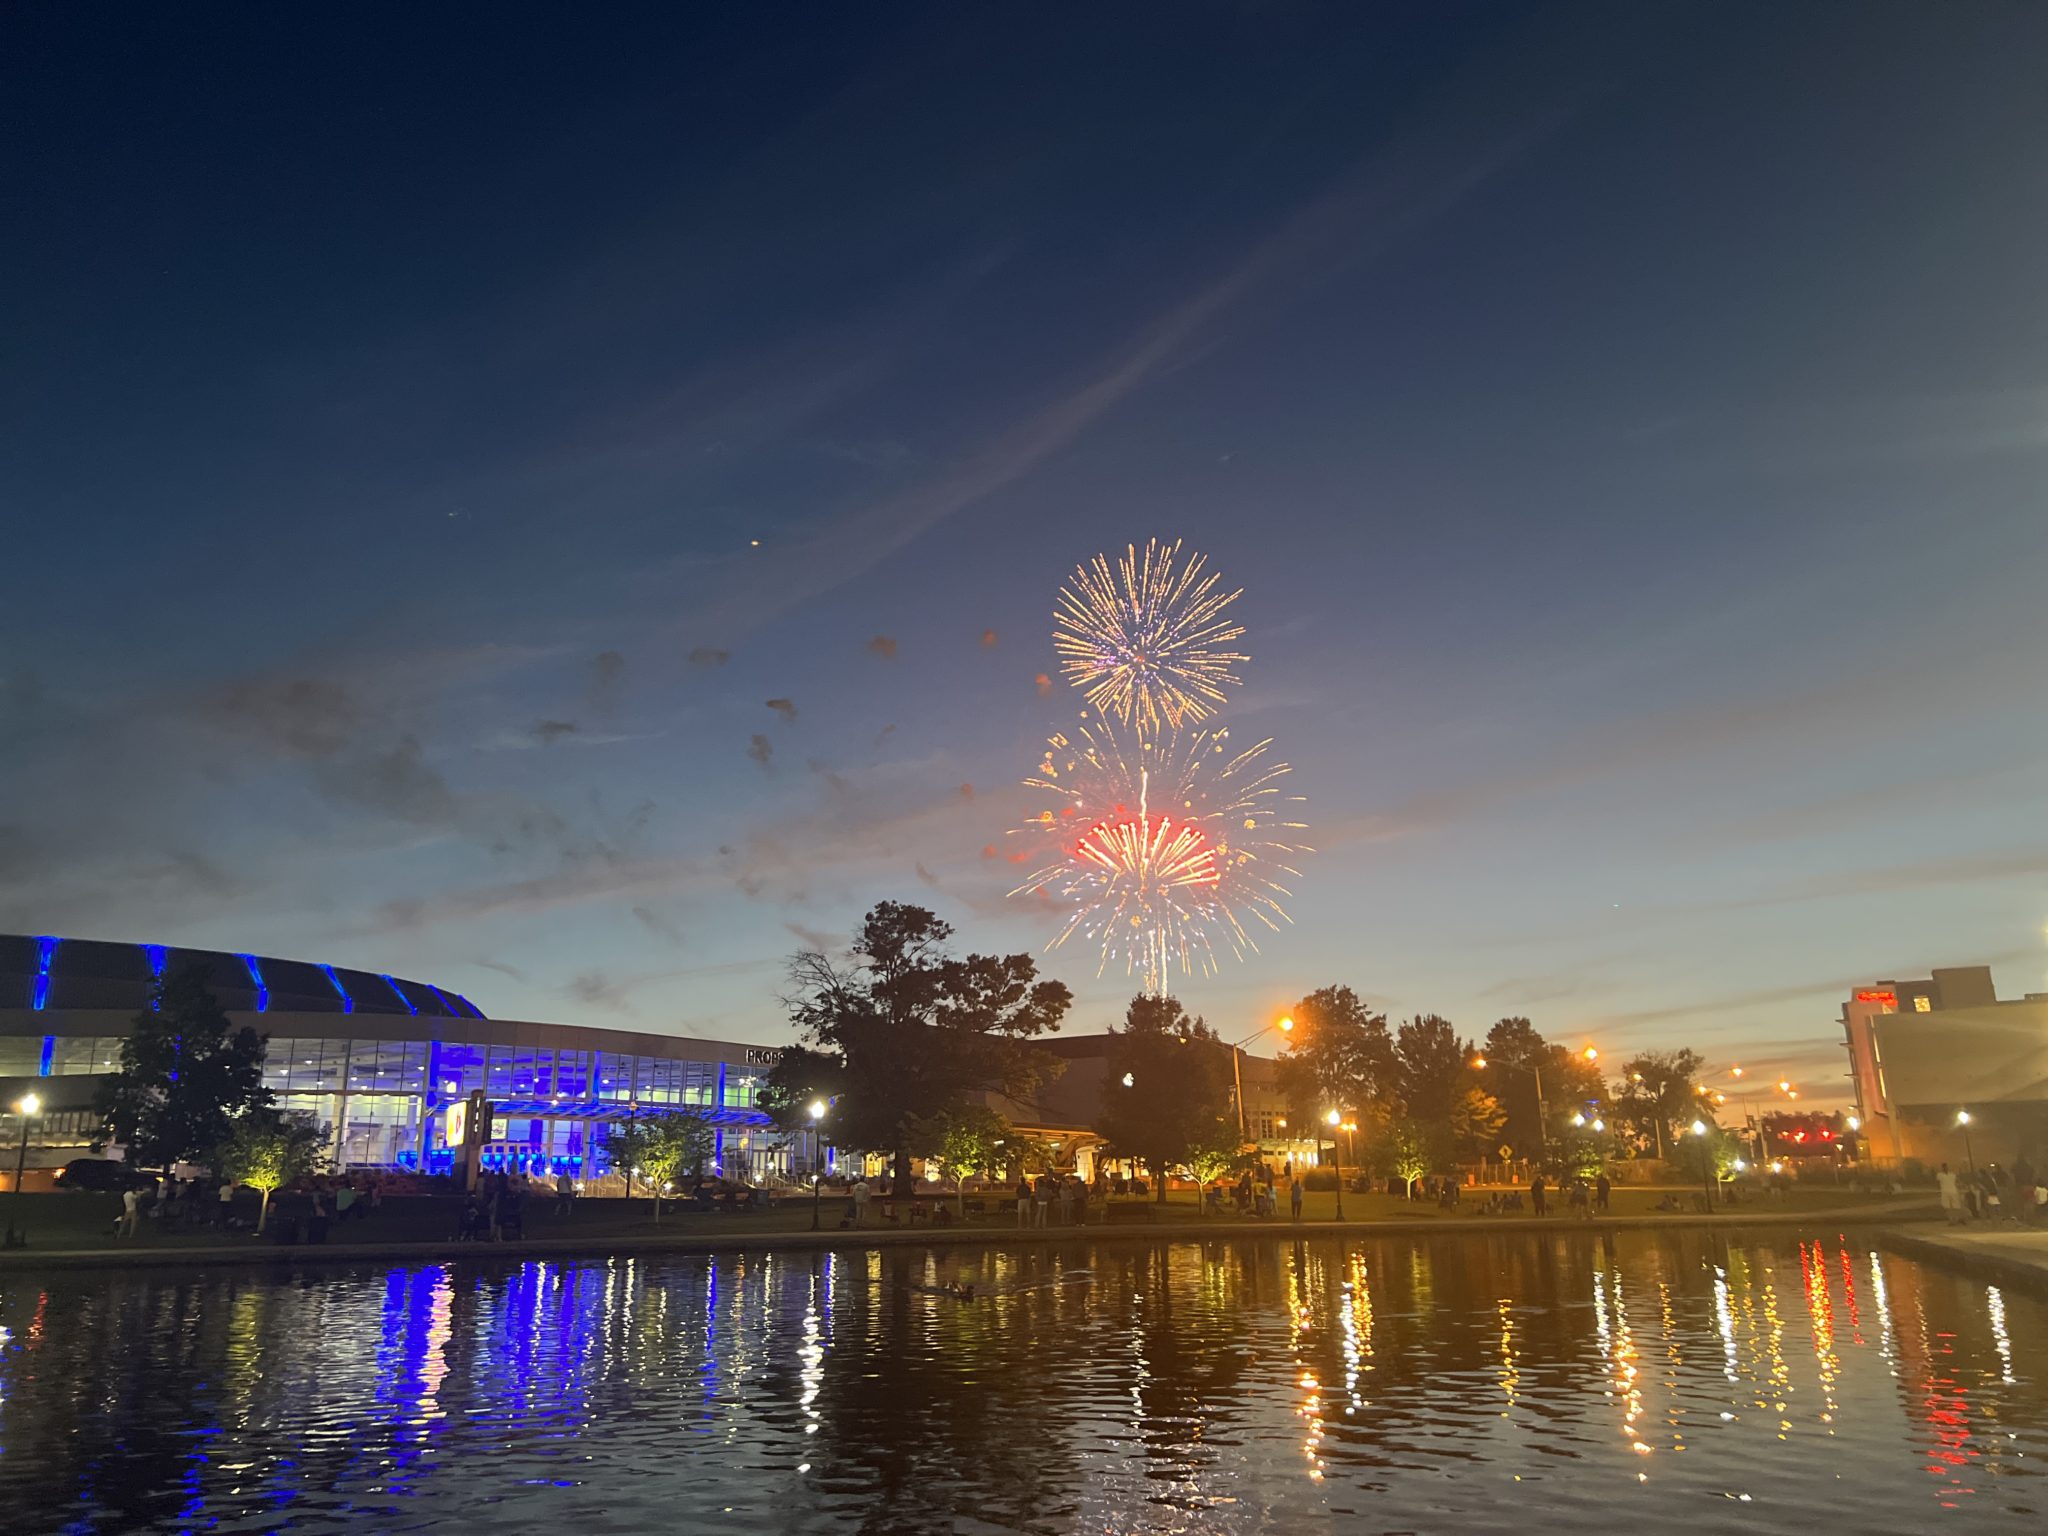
[267,1255]
[2001,1255]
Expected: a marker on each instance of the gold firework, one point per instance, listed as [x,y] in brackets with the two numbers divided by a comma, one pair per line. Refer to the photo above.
[1170,851]
[1146,637]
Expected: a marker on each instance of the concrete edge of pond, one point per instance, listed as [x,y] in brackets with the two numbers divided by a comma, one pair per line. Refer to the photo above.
[739,1241]
[2004,1256]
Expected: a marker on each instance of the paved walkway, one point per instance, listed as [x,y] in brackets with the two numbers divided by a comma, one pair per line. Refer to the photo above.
[2007,1254]
[737,1239]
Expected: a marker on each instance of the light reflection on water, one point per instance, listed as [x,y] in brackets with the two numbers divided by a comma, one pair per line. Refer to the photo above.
[1510,1383]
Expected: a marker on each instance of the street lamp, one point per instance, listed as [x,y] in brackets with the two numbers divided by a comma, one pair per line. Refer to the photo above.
[1700,1129]
[1333,1120]
[1962,1119]
[817,1113]
[26,1107]
[1285,1024]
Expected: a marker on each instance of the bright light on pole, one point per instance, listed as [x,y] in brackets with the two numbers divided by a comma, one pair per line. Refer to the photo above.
[26,1107]
[817,1113]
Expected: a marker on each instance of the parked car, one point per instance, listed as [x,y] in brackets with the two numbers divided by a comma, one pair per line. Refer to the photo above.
[101,1175]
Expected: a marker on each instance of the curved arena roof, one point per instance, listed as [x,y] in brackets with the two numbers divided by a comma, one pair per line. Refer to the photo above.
[42,972]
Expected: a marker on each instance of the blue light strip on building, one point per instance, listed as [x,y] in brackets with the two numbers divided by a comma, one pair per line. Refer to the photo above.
[718,1136]
[452,1013]
[39,991]
[474,1011]
[49,1056]
[410,1006]
[262,992]
[155,954]
[348,1004]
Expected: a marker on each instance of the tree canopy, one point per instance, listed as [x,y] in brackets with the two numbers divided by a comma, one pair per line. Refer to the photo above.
[1339,1056]
[903,1031]
[1434,1067]
[660,1149]
[267,1151]
[187,1077]
[1166,1092]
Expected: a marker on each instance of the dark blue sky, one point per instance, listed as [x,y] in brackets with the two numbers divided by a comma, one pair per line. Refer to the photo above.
[1628,425]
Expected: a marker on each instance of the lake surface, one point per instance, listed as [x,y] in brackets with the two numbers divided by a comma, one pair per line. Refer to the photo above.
[1515,1383]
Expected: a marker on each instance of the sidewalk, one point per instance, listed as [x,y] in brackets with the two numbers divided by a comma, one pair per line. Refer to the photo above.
[738,1240]
[2008,1255]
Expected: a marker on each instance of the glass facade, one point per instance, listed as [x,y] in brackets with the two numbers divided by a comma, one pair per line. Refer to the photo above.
[385,1101]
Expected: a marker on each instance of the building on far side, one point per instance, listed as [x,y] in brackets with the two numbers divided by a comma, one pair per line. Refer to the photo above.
[379,1059]
[1925,1053]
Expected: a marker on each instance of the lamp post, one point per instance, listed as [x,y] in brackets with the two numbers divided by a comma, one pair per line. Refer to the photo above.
[26,1107]
[1590,1053]
[1962,1119]
[1285,1025]
[1333,1120]
[817,1159]
[1700,1129]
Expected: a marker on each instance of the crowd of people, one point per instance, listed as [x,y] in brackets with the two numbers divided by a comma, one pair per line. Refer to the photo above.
[1993,1193]
[171,1204]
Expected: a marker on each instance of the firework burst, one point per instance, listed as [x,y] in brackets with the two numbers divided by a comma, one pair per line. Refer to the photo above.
[1146,637]
[1171,851]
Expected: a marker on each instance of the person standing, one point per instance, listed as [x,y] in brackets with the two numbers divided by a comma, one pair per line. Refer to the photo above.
[1537,1190]
[1042,1200]
[1603,1193]
[131,1211]
[225,1203]
[1023,1201]
[565,1193]
[1294,1195]
[861,1194]
[1951,1196]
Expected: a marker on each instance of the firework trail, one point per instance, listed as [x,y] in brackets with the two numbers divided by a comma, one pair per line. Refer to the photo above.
[1146,637]
[1171,850]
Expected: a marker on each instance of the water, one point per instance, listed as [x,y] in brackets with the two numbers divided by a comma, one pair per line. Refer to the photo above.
[1511,1383]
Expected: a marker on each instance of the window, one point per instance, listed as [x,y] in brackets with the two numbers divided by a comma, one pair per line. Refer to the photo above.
[1923,1004]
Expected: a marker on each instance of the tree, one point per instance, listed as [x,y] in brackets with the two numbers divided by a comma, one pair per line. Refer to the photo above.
[188,1075]
[1168,1087]
[963,1141]
[1477,1121]
[905,1031]
[1659,1090]
[1434,1068]
[1517,1056]
[1698,1157]
[1404,1149]
[660,1149]
[268,1151]
[1213,1154]
[1339,1056]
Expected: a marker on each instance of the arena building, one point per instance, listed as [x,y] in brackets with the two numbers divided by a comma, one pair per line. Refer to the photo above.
[379,1060]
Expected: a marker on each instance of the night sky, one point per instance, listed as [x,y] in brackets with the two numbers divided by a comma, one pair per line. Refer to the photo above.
[1627,425]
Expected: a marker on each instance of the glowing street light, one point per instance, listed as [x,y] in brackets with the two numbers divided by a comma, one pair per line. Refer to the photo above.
[26,1107]
[817,1114]
[1130,1081]
[1333,1120]
[1700,1128]
[1962,1119]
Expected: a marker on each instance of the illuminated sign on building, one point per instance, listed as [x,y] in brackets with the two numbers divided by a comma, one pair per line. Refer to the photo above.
[763,1055]
[1889,999]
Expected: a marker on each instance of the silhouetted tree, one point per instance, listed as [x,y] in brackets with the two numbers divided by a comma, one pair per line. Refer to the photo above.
[188,1075]
[1177,1097]
[905,1031]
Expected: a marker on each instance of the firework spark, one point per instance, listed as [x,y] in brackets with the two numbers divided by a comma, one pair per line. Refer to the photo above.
[1171,851]
[1146,637]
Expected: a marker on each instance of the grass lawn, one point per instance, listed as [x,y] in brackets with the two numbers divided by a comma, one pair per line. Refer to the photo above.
[73,1222]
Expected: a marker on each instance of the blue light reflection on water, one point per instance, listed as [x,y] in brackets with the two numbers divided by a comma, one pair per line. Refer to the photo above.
[1487,1384]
